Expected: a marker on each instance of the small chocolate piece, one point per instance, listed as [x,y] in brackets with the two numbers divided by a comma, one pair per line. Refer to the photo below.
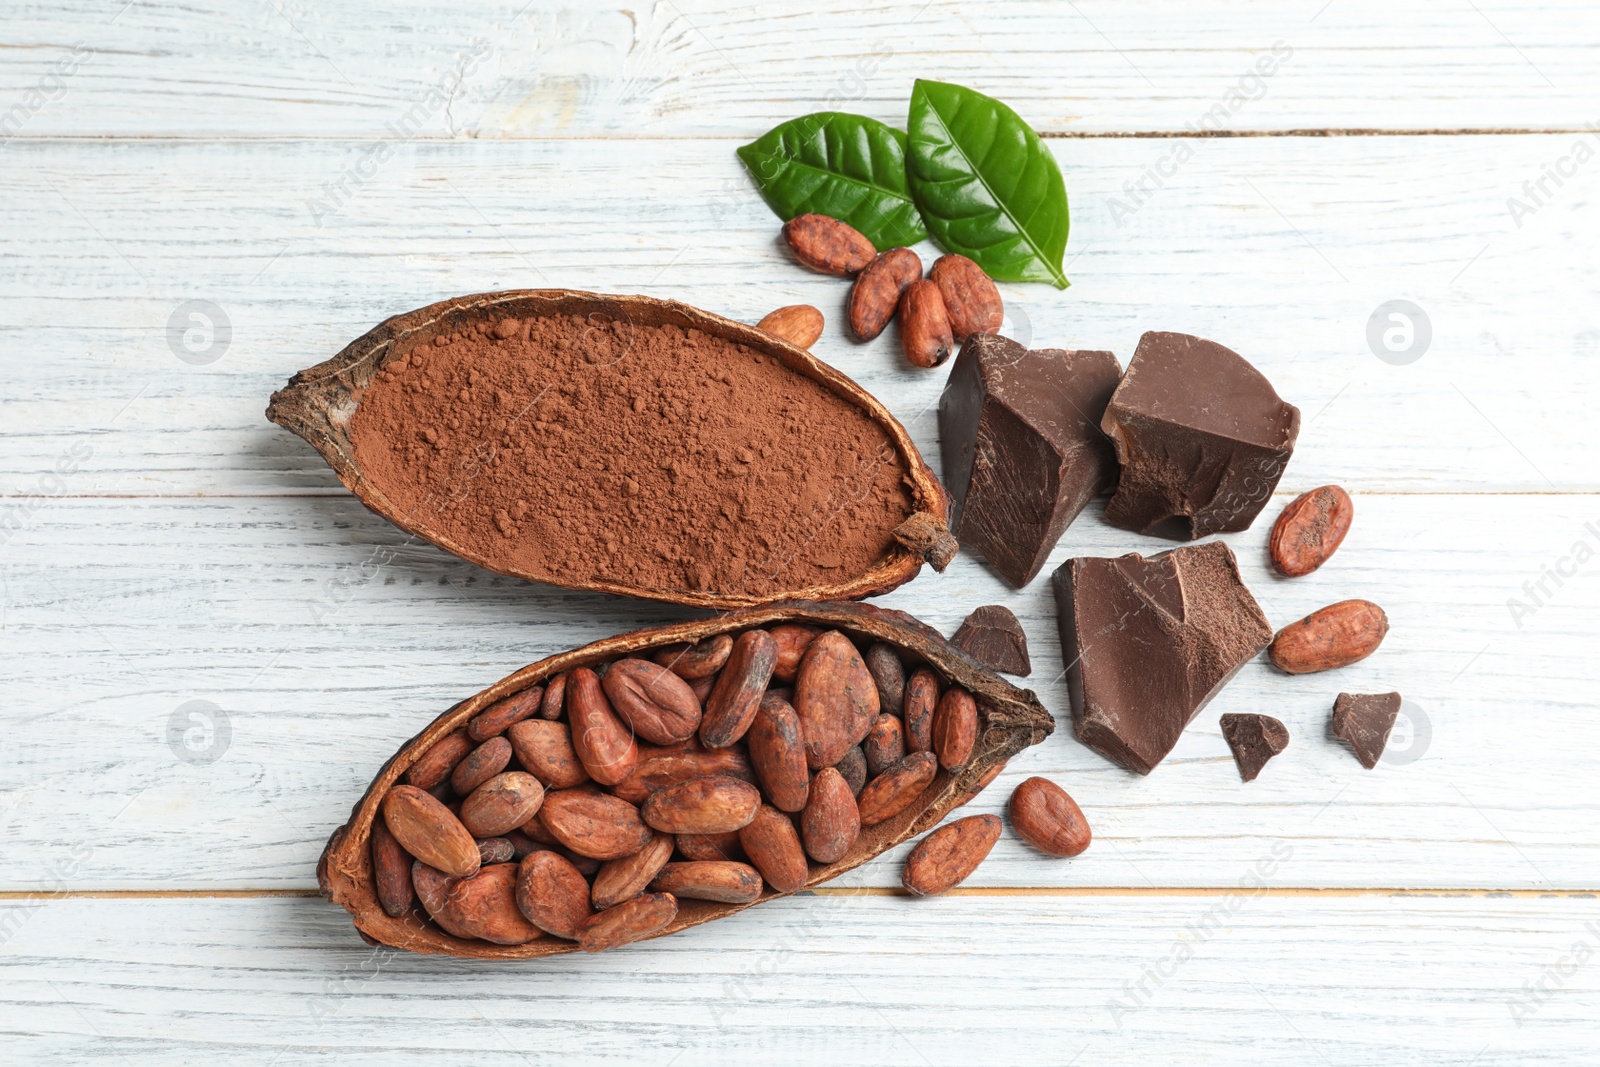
[1149,641]
[1201,436]
[1254,739]
[1022,446]
[1364,721]
[993,636]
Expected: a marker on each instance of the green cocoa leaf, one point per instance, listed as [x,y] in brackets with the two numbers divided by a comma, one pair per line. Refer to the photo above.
[846,166]
[987,187]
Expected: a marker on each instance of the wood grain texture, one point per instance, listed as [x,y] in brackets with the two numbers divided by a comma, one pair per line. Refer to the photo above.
[327,640]
[1282,248]
[1362,982]
[692,68]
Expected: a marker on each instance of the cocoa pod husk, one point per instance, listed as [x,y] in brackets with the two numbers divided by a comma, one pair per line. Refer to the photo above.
[1010,719]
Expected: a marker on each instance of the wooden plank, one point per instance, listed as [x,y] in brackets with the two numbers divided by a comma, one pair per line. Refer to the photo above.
[723,68]
[1281,247]
[1371,980]
[325,655]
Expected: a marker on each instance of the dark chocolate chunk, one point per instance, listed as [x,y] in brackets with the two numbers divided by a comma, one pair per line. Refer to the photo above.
[1254,739]
[1149,641]
[993,636]
[1022,446]
[1364,722]
[1201,436]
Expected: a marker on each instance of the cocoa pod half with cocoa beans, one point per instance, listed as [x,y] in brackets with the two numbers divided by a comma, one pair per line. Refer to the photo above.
[752,828]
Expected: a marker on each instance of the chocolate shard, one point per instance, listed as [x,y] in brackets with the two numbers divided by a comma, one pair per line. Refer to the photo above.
[993,636]
[1254,739]
[1022,446]
[1149,641]
[1363,721]
[1202,438]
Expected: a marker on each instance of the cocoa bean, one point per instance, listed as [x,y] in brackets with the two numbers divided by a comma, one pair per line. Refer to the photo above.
[545,750]
[778,754]
[737,695]
[503,803]
[604,744]
[710,805]
[1047,818]
[553,894]
[773,845]
[970,298]
[594,824]
[835,697]
[922,697]
[889,675]
[1335,636]
[435,765]
[430,831]
[792,640]
[702,688]
[433,888]
[620,879]
[799,324]
[825,244]
[877,291]
[498,717]
[657,704]
[485,906]
[391,871]
[659,772]
[480,765]
[853,767]
[948,856]
[885,744]
[955,729]
[831,822]
[723,846]
[633,920]
[555,697]
[896,788]
[925,334]
[717,880]
[690,662]
[979,786]
[1311,529]
[496,850]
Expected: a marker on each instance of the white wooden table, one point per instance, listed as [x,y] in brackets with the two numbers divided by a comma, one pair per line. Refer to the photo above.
[163,544]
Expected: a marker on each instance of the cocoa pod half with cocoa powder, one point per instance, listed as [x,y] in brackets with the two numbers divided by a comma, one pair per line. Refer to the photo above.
[589,844]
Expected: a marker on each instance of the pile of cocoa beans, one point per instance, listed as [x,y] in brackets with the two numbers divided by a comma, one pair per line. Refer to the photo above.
[936,313]
[586,808]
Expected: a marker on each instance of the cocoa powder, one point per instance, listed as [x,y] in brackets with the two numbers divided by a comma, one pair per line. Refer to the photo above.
[653,456]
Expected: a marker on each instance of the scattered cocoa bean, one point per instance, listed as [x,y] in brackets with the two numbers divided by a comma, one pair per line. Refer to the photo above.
[1311,528]
[925,334]
[876,294]
[799,324]
[1047,818]
[1335,636]
[970,298]
[948,856]
[825,244]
